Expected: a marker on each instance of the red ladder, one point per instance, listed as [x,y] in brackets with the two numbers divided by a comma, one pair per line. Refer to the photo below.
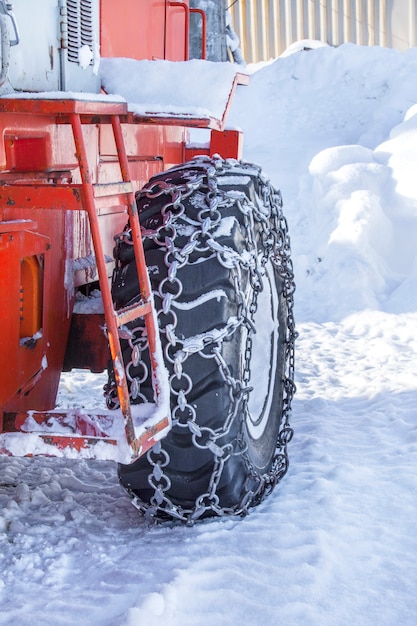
[117,318]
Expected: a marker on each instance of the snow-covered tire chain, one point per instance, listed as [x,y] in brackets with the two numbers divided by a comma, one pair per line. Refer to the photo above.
[217,248]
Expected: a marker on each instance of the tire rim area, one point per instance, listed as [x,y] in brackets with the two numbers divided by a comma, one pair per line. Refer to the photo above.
[264,361]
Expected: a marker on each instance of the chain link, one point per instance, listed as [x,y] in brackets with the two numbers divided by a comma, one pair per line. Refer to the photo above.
[182,236]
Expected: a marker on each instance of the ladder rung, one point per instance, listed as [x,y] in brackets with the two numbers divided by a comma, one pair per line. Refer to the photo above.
[103,190]
[130,313]
[68,432]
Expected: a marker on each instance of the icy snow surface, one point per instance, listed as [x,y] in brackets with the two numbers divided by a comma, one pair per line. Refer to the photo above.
[336,543]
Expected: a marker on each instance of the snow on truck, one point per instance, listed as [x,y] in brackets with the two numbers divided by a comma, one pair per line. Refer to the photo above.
[124,246]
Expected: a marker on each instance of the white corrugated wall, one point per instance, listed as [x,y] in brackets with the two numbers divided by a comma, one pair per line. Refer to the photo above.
[267,27]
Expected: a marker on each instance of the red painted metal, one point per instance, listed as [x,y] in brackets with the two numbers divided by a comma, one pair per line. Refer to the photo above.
[145,29]
[62,108]
[37,197]
[59,158]
[79,443]
[203,17]
[112,330]
[186,9]
[133,29]
[17,241]
[228,143]
[31,365]
[76,422]
[83,434]
[70,198]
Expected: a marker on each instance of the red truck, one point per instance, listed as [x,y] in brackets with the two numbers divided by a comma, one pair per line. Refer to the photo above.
[185,249]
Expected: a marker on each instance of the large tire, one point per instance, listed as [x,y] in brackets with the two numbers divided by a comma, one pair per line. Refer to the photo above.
[217,248]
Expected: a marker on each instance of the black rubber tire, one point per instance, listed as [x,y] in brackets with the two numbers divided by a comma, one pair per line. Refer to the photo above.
[223,453]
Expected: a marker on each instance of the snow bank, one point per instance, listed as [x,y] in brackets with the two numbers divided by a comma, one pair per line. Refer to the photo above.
[341,126]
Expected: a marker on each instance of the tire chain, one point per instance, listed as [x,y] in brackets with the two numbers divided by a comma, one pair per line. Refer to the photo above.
[274,231]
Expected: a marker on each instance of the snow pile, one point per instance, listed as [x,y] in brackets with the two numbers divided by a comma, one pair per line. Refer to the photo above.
[336,543]
[341,127]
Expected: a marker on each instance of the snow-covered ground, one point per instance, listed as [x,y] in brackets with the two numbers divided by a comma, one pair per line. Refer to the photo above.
[336,543]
